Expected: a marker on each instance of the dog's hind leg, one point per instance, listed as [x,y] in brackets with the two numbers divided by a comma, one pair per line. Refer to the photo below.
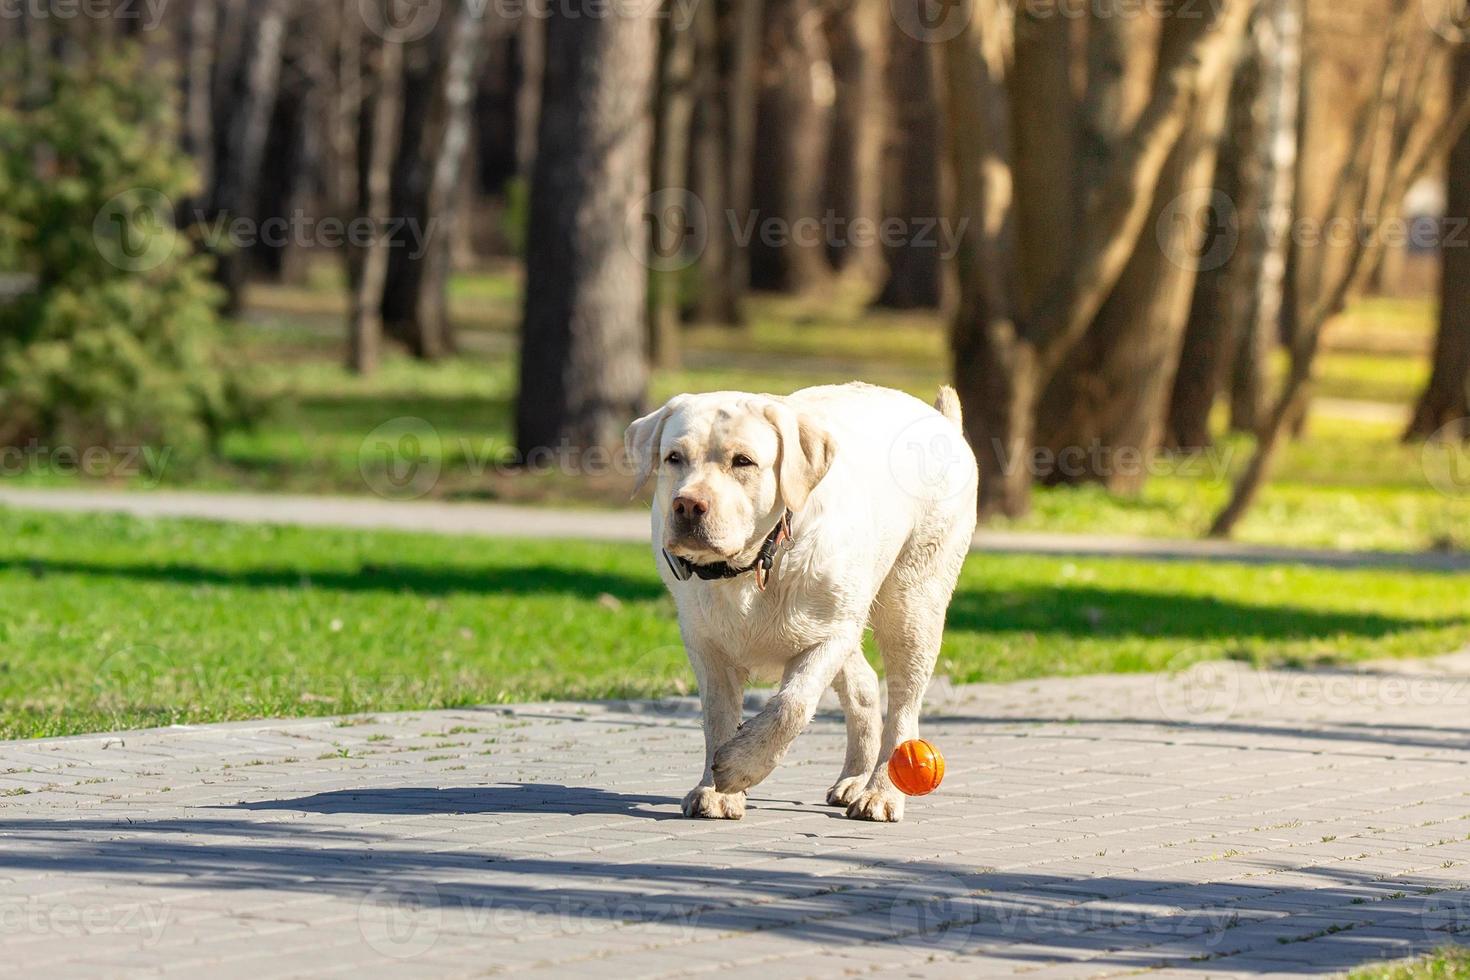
[908,622]
[856,685]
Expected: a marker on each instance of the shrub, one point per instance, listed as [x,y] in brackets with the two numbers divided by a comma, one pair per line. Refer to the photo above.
[118,340]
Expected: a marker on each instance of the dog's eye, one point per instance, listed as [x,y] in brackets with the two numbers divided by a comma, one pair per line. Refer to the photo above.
[743,461]
[675,459]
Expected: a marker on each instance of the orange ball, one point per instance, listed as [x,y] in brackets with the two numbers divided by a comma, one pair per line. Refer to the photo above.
[916,768]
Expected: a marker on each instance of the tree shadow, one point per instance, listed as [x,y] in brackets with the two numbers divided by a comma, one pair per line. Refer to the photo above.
[876,899]
[1078,611]
[1095,612]
[502,798]
[539,579]
[1397,736]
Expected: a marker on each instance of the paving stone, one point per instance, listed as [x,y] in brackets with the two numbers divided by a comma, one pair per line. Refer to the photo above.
[1115,839]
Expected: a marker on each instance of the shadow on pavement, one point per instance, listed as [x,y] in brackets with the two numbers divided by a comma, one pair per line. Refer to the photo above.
[513,798]
[832,897]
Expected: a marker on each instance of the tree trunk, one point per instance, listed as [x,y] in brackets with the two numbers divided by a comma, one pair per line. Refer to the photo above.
[288,161]
[431,165]
[716,300]
[495,116]
[422,60]
[1045,133]
[1446,399]
[1106,405]
[857,37]
[1210,337]
[787,237]
[237,193]
[368,265]
[670,227]
[995,365]
[1002,359]
[1122,63]
[435,332]
[532,41]
[911,174]
[583,374]
[1383,143]
[1266,240]
[743,92]
[200,57]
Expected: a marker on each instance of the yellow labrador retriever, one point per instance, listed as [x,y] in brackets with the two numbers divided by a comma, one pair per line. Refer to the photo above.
[784,526]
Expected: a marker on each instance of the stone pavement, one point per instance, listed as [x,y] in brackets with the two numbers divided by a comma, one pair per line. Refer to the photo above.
[1211,823]
[631,526]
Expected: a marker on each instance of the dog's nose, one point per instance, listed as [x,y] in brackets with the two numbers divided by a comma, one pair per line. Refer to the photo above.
[690,506]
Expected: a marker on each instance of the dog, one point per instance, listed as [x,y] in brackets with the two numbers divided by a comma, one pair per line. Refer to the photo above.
[784,527]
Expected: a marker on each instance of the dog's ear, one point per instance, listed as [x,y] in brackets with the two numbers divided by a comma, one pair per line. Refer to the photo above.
[641,443]
[807,450]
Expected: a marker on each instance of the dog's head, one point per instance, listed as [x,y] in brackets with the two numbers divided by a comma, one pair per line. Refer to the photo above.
[728,465]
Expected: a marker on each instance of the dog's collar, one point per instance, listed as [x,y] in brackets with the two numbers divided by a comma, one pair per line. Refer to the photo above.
[765,559]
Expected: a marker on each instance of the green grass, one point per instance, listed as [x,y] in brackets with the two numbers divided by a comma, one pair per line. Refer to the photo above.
[1449,963]
[111,622]
[1358,376]
[1345,484]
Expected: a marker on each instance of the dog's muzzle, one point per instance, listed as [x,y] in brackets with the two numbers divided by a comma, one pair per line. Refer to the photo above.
[780,538]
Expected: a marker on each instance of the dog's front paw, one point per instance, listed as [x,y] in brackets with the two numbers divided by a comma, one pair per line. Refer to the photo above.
[846,790]
[708,803]
[883,805]
[743,761]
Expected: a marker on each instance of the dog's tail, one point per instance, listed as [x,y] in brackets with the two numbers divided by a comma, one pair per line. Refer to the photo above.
[948,405]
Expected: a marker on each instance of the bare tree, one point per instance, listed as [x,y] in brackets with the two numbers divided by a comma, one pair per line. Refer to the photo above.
[368,264]
[857,35]
[1446,399]
[711,168]
[1235,315]
[531,39]
[1261,286]
[674,119]
[200,56]
[428,185]
[1022,308]
[1384,144]
[793,126]
[911,173]
[744,91]
[1112,389]
[583,368]
[247,117]
[727,65]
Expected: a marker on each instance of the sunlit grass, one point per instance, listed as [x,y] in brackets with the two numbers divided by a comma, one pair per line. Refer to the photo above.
[1448,963]
[110,622]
